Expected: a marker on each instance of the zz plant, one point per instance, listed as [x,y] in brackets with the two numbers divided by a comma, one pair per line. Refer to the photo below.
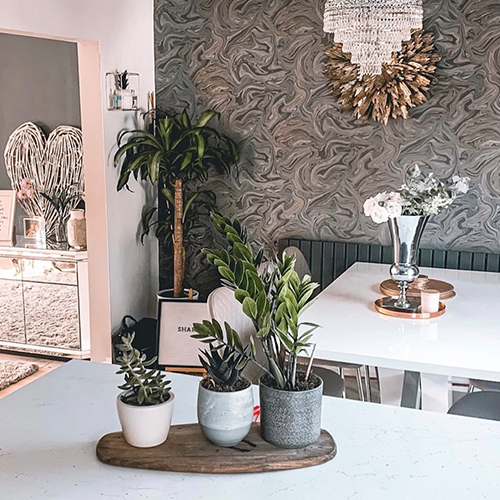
[143,386]
[176,158]
[273,300]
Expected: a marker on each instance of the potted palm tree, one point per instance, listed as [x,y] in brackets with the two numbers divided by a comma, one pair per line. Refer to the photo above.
[225,397]
[290,398]
[146,404]
[177,158]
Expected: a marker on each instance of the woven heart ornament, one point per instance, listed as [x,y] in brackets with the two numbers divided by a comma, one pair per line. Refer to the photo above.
[53,165]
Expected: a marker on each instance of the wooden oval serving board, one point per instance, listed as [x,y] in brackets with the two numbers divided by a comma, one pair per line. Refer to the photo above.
[187,450]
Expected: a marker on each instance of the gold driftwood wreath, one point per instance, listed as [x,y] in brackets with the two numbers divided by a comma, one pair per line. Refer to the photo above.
[400,86]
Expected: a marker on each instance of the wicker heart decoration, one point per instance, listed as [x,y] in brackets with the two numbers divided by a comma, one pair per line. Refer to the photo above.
[53,165]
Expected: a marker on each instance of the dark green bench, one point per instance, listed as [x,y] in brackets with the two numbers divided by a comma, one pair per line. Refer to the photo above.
[328,260]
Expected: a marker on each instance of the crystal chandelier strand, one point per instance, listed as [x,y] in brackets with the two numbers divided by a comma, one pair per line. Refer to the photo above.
[371,30]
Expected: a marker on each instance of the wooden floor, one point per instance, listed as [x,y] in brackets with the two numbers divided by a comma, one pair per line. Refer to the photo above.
[45,366]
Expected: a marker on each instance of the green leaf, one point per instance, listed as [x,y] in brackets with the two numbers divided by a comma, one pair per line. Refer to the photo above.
[169,195]
[225,272]
[240,295]
[242,252]
[250,307]
[205,117]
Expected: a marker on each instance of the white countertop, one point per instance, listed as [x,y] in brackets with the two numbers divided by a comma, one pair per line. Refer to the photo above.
[49,429]
[464,342]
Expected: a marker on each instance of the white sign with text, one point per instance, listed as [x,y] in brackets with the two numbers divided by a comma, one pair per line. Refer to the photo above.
[177,348]
[7,212]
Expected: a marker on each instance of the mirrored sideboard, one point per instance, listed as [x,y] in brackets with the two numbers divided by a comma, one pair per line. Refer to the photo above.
[44,306]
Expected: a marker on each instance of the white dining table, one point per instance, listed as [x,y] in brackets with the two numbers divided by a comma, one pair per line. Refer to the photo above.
[464,342]
[49,430]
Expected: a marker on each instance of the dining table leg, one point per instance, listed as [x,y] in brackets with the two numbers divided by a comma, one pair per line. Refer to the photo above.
[391,386]
[435,392]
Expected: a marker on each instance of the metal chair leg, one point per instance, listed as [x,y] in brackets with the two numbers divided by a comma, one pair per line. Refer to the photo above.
[341,373]
[368,384]
[359,381]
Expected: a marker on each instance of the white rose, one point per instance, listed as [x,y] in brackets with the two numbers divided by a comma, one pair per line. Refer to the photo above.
[381,197]
[395,196]
[393,209]
[369,206]
[379,214]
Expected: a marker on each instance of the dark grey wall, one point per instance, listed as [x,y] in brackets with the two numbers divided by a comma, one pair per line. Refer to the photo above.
[306,168]
[38,83]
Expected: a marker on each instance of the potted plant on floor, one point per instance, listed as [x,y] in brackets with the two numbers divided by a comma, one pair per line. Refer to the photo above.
[146,404]
[225,398]
[290,399]
[177,159]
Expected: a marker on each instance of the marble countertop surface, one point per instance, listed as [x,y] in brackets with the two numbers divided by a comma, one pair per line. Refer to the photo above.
[49,429]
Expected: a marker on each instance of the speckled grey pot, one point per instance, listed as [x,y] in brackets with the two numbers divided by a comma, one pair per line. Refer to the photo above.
[290,419]
[225,417]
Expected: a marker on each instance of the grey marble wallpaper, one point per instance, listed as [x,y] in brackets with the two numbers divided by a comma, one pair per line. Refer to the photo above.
[306,168]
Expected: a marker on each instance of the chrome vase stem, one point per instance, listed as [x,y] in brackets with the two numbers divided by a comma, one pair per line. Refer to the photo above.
[406,232]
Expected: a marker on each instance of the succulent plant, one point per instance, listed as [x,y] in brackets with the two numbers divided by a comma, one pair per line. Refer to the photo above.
[143,386]
[224,366]
[121,80]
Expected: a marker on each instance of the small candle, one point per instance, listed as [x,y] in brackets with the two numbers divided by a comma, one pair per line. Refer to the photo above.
[430,301]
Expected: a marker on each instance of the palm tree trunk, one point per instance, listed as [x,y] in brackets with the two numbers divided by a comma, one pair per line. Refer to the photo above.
[179,253]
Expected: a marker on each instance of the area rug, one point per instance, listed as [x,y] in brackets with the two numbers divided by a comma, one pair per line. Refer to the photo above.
[14,371]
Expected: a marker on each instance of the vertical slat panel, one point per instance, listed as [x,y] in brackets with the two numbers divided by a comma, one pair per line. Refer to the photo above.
[363,253]
[493,263]
[452,260]
[439,258]
[387,255]
[293,242]
[425,258]
[351,254]
[339,260]
[316,262]
[327,275]
[282,244]
[479,261]
[465,261]
[305,248]
[375,254]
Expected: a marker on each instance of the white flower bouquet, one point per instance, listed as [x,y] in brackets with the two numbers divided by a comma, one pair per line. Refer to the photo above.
[420,195]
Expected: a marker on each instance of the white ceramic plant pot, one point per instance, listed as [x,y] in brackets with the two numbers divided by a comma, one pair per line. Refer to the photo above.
[145,426]
[225,417]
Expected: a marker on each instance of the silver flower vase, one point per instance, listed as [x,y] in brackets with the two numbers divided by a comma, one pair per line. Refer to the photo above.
[406,232]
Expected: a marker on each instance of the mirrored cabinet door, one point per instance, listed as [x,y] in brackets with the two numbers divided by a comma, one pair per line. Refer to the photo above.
[52,317]
[12,311]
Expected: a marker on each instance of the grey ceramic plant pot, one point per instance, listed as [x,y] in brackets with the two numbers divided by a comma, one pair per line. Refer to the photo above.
[225,418]
[290,419]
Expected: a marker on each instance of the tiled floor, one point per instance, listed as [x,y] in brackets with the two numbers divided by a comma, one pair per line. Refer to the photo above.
[45,366]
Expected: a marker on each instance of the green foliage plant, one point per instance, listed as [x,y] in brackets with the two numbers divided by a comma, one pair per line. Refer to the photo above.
[143,386]
[273,300]
[177,159]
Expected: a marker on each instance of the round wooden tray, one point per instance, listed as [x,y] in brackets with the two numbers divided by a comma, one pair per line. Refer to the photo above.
[399,313]
[446,290]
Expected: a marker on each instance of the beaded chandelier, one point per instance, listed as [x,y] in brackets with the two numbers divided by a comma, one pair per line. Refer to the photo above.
[371,30]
